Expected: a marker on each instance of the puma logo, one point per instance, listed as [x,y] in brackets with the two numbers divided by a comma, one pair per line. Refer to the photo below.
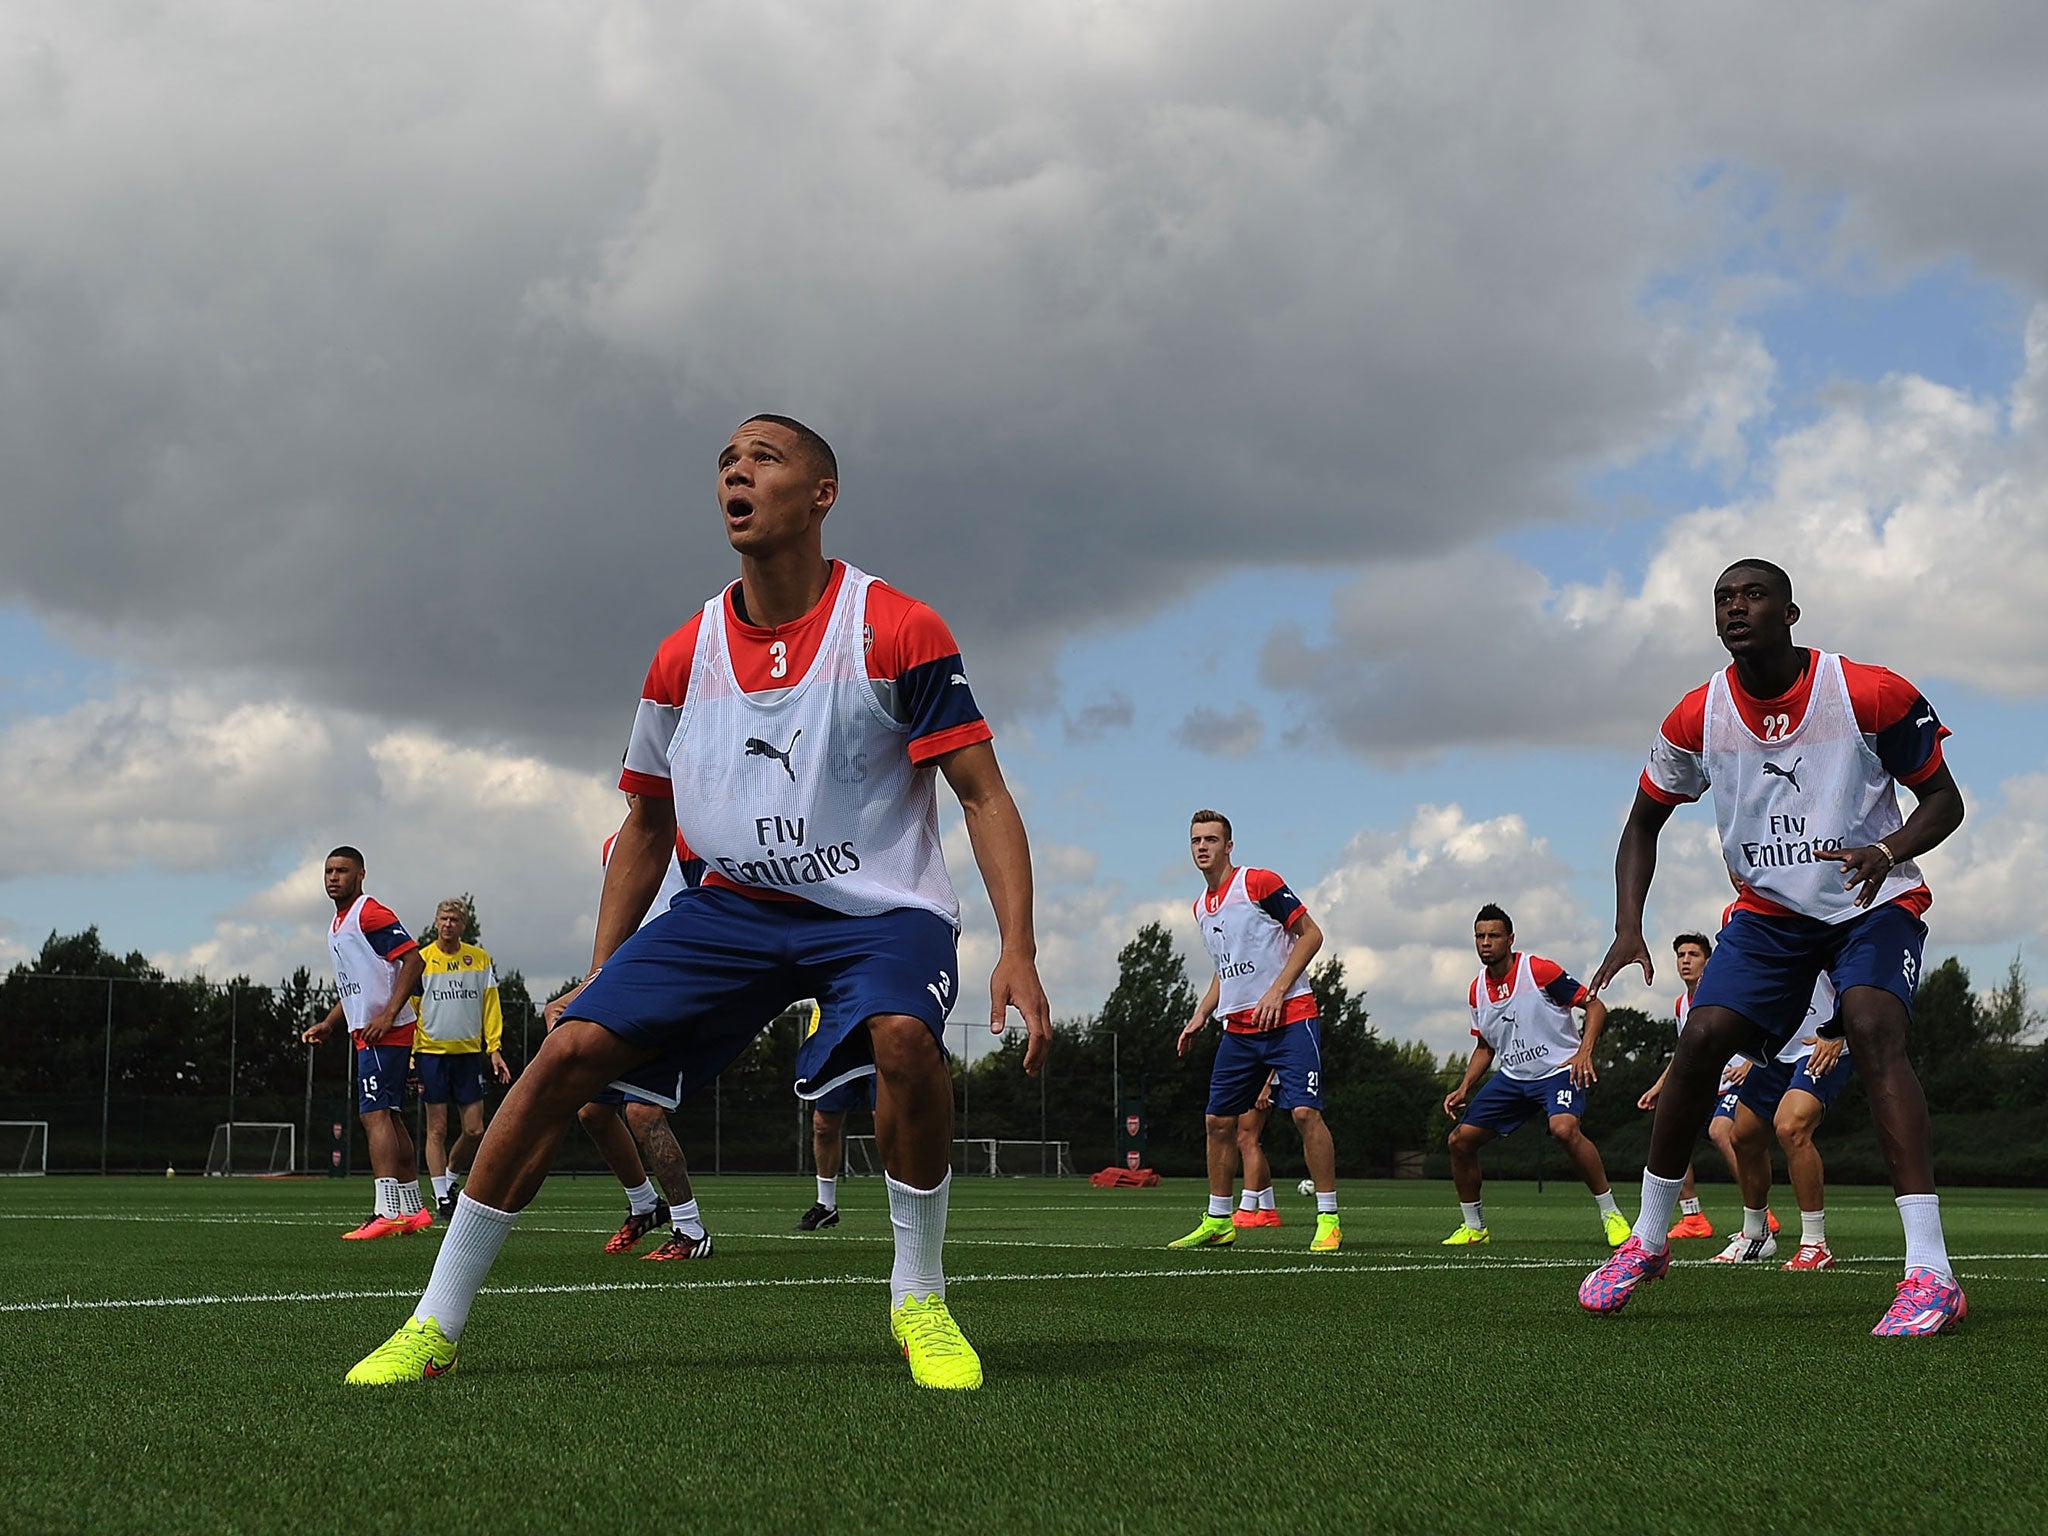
[1926,719]
[959,680]
[1773,771]
[756,747]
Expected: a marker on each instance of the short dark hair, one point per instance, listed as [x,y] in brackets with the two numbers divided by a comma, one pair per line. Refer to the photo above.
[823,459]
[1492,913]
[346,852]
[1778,574]
[1705,944]
[1218,817]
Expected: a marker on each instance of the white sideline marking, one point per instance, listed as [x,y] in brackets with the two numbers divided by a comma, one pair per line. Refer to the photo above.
[606,1287]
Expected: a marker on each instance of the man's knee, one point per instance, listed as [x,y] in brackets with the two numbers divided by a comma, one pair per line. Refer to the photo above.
[1464,1139]
[1307,1116]
[1565,1128]
[827,1123]
[902,1044]
[1221,1127]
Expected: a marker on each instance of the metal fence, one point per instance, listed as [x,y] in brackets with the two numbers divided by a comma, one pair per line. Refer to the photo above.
[134,1075]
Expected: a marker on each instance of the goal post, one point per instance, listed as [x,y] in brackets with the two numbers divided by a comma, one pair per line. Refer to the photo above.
[24,1148]
[978,1157]
[253,1148]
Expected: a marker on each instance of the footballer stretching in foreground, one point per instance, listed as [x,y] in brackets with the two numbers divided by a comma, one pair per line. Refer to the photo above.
[1802,751]
[793,732]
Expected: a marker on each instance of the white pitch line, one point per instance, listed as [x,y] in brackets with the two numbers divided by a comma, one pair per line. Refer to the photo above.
[606,1287]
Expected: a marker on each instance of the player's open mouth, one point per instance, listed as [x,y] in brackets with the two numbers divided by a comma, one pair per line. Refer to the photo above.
[738,511]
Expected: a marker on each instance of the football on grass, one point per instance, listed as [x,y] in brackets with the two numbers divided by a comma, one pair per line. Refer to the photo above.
[1307,1186]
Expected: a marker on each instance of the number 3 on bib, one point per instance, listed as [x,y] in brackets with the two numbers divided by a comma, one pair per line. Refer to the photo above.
[780,651]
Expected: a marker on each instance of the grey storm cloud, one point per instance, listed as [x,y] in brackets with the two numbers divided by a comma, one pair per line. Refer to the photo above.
[341,343]
[1220,733]
[1097,718]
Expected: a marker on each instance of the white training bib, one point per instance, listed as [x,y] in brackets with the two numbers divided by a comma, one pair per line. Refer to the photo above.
[809,791]
[363,977]
[1531,1036]
[1249,949]
[1816,788]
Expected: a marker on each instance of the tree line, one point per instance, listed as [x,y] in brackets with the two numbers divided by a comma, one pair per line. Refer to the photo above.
[153,1054]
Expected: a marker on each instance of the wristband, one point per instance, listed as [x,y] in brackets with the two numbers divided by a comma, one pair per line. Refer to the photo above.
[1890,859]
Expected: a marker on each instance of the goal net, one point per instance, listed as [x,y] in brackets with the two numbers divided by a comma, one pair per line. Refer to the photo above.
[258,1147]
[24,1148]
[977,1157]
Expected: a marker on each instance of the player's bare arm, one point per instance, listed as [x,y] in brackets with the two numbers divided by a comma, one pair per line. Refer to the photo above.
[1308,939]
[1581,1064]
[410,970]
[1635,865]
[646,842]
[1651,1093]
[1937,813]
[1205,1010]
[1003,852]
[315,1033]
[1475,1069]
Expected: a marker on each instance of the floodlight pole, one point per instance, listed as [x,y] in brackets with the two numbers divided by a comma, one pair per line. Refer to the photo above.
[106,1082]
[231,1078]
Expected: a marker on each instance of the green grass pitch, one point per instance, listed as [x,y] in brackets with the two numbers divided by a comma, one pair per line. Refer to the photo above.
[1393,1386]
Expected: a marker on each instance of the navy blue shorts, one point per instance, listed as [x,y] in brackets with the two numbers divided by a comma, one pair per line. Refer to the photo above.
[1764,968]
[1506,1104]
[701,980]
[444,1076]
[855,1093]
[1724,1106]
[380,1076]
[1767,1085]
[1244,1061]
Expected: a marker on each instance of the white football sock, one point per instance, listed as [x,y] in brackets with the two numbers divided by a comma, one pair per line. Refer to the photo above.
[1755,1223]
[1926,1248]
[1813,1227]
[387,1198]
[1653,1222]
[1606,1204]
[686,1218]
[1266,1200]
[919,1217]
[475,1234]
[443,1183]
[1689,1207]
[1219,1205]
[1474,1212]
[1248,1201]
[1326,1202]
[642,1198]
[409,1197]
[828,1193]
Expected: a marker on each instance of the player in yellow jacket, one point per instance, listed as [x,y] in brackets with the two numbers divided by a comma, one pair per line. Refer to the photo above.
[461,1030]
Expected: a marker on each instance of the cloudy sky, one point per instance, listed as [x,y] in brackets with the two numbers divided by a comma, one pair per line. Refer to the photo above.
[1336,414]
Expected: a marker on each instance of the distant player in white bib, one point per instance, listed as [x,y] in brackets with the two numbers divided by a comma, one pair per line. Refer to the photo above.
[377,969]
[1788,1096]
[632,1133]
[1261,939]
[1523,1030]
[1691,952]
